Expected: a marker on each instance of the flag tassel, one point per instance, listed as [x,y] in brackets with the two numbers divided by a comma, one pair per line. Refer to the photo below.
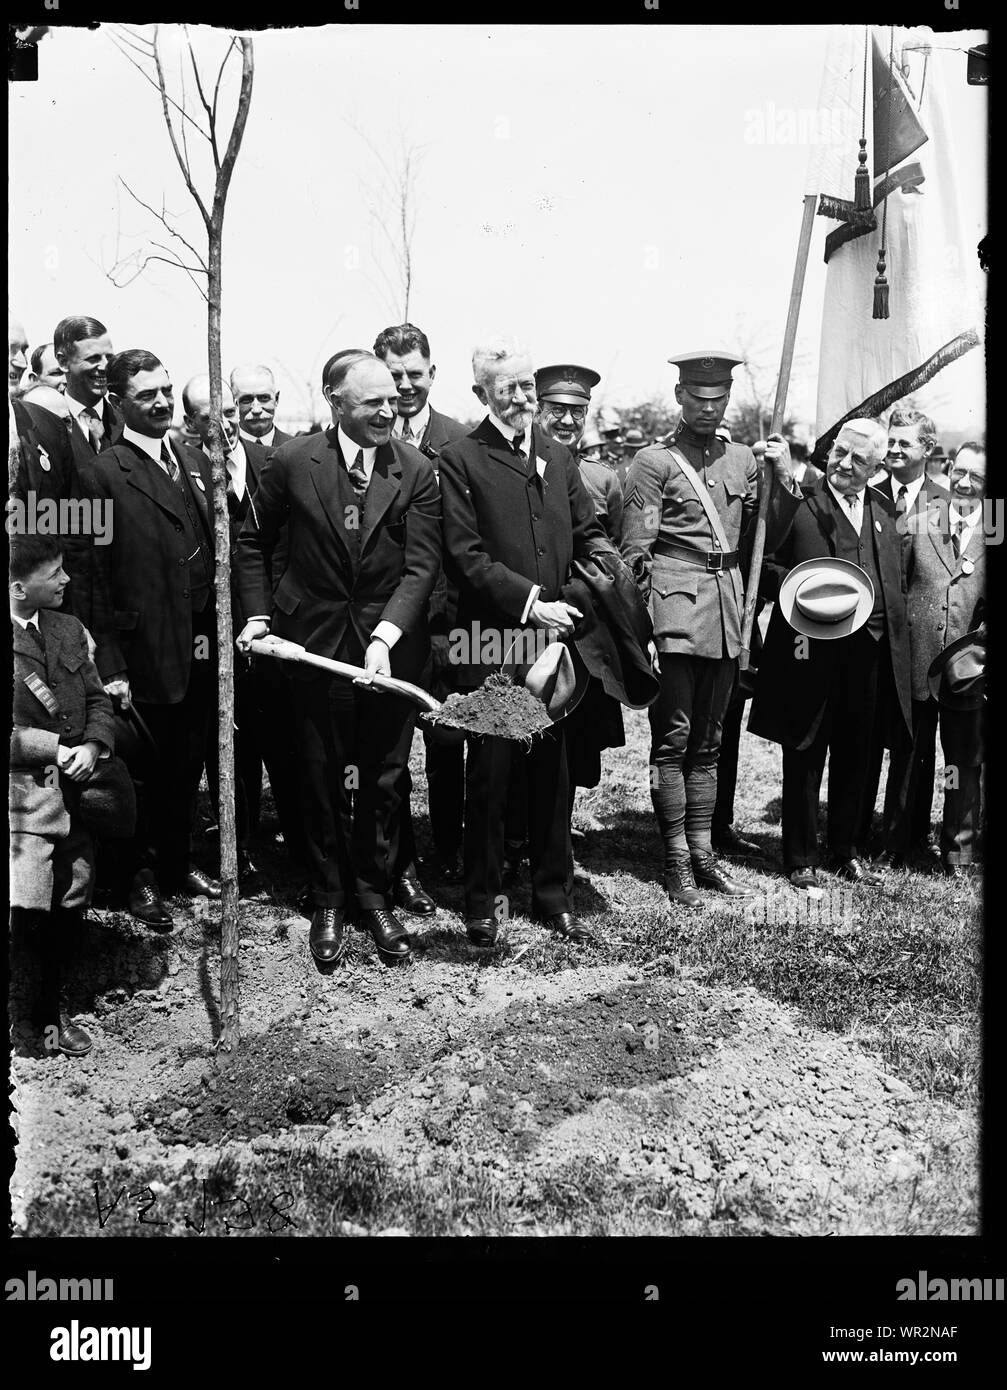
[862,182]
[881,289]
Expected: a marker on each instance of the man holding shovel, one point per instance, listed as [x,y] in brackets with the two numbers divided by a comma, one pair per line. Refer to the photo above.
[363,513]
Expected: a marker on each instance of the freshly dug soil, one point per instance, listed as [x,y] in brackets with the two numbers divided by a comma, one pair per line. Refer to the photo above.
[499,709]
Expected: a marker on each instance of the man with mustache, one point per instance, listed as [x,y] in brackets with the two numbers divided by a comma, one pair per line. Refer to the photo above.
[256,396]
[161,576]
[817,696]
[516,514]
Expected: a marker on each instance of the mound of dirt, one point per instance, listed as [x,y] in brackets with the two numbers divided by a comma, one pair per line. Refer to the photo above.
[498,709]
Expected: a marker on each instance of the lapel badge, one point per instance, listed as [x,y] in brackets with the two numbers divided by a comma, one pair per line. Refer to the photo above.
[967,566]
[877,526]
[43,461]
[197,480]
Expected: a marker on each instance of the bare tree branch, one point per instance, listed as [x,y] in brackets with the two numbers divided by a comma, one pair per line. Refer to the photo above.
[210,114]
[182,163]
[163,94]
[162,218]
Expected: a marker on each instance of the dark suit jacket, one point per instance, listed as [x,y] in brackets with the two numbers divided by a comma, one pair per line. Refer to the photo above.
[795,678]
[325,591]
[58,464]
[84,713]
[441,431]
[147,570]
[506,530]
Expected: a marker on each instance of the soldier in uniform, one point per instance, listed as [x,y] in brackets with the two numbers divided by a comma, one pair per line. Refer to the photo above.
[688,504]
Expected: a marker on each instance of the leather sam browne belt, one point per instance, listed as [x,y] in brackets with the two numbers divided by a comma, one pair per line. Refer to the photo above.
[711,560]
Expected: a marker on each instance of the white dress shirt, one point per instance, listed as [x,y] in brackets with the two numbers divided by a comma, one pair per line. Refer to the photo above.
[236,463]
[968,521]
[27,622]
[266,440]
[150,446]
[508,432]
[77,409]
[853,510]
[913,489]
[417,424]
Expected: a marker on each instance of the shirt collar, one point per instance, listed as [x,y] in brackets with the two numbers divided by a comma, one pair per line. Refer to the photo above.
[150,446]
[969,520]
[31,618]
[912,489]
[417,423]
[841,497]
[350,450]
[508,431]
[265,440]
[77,406]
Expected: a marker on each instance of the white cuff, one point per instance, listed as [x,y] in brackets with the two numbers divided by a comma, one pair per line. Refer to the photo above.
[386,632]
[536,589]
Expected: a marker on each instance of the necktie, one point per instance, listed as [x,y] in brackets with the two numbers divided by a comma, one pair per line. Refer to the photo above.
[95,428]
[173,471]
[518,446]
[853,502]
[358,476]
[956,538]
[35,637]
[901,501]
[407,430]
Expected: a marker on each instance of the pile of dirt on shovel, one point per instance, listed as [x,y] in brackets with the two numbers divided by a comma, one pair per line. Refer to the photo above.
[499,709]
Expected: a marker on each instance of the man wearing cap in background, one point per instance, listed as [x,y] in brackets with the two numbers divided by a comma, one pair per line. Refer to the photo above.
[817,692]
[946,576]
[688,504]
[564,394]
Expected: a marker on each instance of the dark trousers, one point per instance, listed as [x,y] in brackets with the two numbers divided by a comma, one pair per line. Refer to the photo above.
[488,784]
[844,737]
[445,803]
[350,742]
[686,724]
[902,824]
[961,821]
[171,770]
[911,773]
[727,767]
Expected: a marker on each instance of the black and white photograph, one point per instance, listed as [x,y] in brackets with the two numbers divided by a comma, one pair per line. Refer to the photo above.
[497,538]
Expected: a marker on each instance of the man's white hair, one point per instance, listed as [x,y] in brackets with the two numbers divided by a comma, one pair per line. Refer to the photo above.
[488,353]
[252,367]
[873,431]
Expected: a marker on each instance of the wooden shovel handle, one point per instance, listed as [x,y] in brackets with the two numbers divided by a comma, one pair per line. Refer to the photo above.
[291,651]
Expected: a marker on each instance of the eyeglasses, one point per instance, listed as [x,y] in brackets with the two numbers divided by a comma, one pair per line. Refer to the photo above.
[557,409]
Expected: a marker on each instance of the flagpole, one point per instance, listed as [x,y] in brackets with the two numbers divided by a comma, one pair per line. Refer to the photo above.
[779,407]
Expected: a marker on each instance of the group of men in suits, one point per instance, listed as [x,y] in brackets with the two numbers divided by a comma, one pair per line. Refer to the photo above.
[381,538]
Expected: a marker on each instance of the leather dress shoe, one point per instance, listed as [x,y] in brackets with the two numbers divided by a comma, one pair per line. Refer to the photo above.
[729,842]
[855,871]
[196,884]
[389,934]
[570,927]
[804,877]
[72,1040]
[326,938]
[681,887]
[481,931]
[409,895]
[709,875]
[144,902]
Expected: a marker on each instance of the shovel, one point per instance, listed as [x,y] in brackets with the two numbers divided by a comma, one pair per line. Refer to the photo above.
[291,651]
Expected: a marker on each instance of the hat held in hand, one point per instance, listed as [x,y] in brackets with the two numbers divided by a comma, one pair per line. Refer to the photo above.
[826,598]
[556,678]
[957,678]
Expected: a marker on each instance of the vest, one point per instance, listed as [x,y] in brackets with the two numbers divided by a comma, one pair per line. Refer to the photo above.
[860,550]
[200,565]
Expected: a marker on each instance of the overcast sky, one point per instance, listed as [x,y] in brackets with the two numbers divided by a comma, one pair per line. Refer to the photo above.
[597,190]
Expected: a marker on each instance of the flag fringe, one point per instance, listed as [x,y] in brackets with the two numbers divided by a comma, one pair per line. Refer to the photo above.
[904,385]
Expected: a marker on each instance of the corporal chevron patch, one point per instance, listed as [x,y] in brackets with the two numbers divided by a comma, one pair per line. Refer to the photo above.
[635,498]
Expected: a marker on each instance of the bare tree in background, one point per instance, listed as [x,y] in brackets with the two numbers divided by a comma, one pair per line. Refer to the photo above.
[390,193]
[186,119]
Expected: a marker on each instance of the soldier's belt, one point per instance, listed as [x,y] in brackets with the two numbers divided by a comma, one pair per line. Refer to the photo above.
[711,560]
